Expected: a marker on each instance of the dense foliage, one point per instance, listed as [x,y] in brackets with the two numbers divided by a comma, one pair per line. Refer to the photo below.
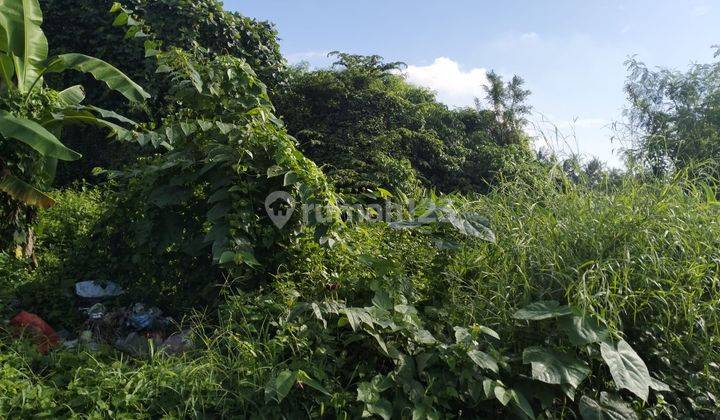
[33,117]
[88,27]
[392,320]
[563,291]
[202,201]
[369,128]
[674,117]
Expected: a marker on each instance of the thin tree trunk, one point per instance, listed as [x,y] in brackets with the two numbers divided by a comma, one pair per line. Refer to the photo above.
[29,249]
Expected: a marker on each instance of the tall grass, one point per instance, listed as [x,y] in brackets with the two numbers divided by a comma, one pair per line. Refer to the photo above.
[645,253]
[644,256]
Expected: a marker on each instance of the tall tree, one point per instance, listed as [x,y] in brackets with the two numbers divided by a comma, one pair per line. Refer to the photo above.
[673,119]
[370,128]
[33,116]
[88,27]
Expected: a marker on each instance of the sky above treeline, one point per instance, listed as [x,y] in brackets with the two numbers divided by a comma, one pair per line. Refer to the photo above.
[570,53]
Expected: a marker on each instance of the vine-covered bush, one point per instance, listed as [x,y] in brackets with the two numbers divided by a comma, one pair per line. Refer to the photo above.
[87,26]
[369,128]
[201,202]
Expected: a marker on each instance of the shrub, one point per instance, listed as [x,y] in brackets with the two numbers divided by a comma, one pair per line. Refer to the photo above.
[87,26]
[368,128]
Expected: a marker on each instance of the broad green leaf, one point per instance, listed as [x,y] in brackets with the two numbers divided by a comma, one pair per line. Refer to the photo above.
[382,300]
[388,350]
[290,178]
[275,170]
[542,310]
[4,42]
[489,331]
[305,379]
[538,390]
[7,70]
[318,313]
[569,391]
[102,71]
[555,368]
[116,7]
[423,336]
[224,128]
[357,316]
[226,257]
[659,385]
[81,116]
[188,128]
[382,408]
[205,125]
[123,19]
[185,64]
[22,191]
[279,387]
[627,368]
[72,95]
[502,395]
[609,407]
[424,412]
[470,227]
[522,403]
[366,392]
[383,193]
[48,170]
[23,39]
[488,387]
[110,114]
[405,309]
[246,256]
[35,136]
[483,360]
[583,329]
[462,336]
[369,393]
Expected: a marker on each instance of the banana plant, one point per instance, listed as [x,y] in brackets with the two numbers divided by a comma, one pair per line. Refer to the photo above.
[33,115]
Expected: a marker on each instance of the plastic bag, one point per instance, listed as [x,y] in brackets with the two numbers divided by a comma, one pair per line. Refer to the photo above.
[42,333]
[95,290]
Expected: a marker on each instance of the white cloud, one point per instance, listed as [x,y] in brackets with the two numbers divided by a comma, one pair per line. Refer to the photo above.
[530,36]
[701,9]
[453,85]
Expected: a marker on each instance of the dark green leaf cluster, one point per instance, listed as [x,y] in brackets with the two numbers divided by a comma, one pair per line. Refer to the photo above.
[200,202]
[367,127]
[32,116]
[86,26]
[431,370]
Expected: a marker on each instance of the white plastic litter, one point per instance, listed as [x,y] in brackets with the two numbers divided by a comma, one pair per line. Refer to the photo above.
[95,290]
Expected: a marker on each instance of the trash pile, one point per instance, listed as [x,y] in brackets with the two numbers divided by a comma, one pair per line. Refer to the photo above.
[137,330]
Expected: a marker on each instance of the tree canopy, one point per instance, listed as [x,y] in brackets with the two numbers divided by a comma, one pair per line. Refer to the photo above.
[88,27]
[674,116]
[368,127]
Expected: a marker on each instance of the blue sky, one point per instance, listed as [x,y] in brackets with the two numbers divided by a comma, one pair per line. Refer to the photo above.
[570,53]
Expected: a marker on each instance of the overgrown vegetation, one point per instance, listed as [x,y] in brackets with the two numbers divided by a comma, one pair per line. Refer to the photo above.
[369,128]
[673,117]
[33,117]
[505,286]
[188,25]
